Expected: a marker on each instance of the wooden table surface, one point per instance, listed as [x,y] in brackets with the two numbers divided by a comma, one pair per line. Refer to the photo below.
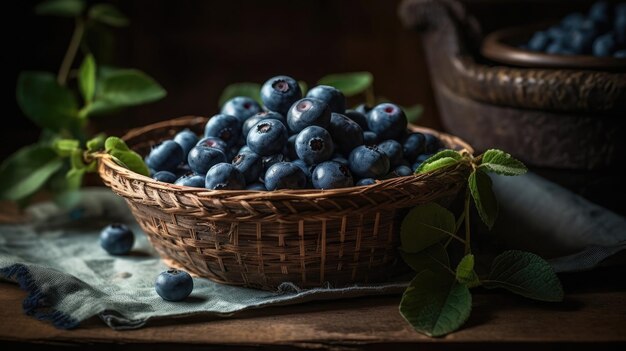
[593,315]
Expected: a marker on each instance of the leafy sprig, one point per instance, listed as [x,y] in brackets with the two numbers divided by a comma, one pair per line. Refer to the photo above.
[57,160]
[438,300]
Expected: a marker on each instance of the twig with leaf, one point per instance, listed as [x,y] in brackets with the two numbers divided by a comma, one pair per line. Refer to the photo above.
[438,300]
[57,161]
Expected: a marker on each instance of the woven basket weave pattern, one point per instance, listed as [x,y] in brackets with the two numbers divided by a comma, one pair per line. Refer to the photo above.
[261,239]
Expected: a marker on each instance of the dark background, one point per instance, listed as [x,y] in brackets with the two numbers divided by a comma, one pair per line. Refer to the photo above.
[195,48]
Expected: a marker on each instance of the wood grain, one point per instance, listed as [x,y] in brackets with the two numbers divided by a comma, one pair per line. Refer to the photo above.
[497,319]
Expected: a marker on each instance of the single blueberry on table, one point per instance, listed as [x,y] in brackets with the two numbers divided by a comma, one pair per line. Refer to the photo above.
[241,107]
[164,176]
[250,122]
[174,285]
[366,181]
[332,96]
[357,117]
[285,175]
[314,145]
[224,176]
[117,239]
[346,133]
[225,127]
[387,120]
[202,158]
[213,142]
[368,162]
[267,137]
[393,150]
[191,179]
[186,139]
[250,165]
[370,138]
[331,175]
[308,112]
[279,93]
[413,145]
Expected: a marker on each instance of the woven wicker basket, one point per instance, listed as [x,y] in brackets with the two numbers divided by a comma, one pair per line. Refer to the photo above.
[261,239]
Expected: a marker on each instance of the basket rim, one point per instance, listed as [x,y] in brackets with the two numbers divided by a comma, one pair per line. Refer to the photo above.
[258,195]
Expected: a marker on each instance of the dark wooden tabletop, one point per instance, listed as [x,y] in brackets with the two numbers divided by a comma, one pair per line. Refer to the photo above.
[593,315]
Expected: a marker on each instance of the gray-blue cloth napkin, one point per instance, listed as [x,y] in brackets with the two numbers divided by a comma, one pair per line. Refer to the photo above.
[57,258]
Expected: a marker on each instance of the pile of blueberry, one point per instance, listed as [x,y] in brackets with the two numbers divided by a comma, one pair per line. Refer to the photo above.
[602,32]
[293,143]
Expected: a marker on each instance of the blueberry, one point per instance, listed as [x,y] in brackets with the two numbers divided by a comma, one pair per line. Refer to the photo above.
[213,142]
[285,175]
[393,150]
[241,107]
[308,112]
[202,158]
[117,239]
[225,127]
[368,162]
[224,176]
[604,45]
[314,145]
[165,156]
[620,54]
[164,176]
[269,161]
[419,160]
[413,145]
[346,133]
[579,41]
[186,139]
[402,171]
[250,165]
[191,179]
[358,117]
[431,144]
[363,109]
[306,168]
[554,48]
[387,121]
[366,181]
[267,137]
[256,186]
[250,122]
[244,148]
[538,41]
[556,33]
[279,93]
[174,285]
[370,138]
[331,175]
[332,96]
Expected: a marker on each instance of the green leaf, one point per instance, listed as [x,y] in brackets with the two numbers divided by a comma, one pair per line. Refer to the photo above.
[303,87]
[115,143]
[130,160]
[350,84]
[424,226]
[62,8]
[449,157]
[65,147]
[435,304]
[96,143]
[434,258]
[526,274]
[87,78]
[124,88]
[76,159]
[484,198]
[108,14]
[413,113]
[45,102]
[251,90]
[465,272]
[27,170]
[500,162]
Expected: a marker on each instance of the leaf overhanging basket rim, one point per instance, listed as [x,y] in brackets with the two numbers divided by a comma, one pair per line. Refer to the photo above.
[283,194]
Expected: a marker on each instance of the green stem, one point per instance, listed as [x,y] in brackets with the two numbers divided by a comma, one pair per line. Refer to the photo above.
[72,49]
[467,219]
